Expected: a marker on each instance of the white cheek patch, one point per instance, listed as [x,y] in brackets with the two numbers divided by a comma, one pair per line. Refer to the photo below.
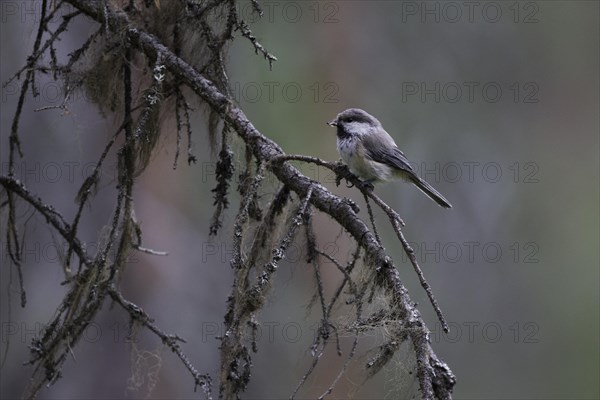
[357,128]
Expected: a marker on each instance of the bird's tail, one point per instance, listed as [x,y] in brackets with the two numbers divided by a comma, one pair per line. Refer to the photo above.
[431,192]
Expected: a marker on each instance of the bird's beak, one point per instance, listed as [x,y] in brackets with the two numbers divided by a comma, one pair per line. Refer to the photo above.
[332,123]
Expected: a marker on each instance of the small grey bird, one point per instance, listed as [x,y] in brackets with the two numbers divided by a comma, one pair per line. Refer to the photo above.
[372,155]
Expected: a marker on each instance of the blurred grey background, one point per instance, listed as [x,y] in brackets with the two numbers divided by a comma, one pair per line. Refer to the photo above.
[496,103]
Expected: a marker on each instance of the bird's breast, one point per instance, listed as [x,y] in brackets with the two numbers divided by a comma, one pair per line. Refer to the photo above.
[354,155]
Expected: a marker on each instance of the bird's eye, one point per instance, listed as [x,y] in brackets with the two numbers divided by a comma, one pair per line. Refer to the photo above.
[350,120]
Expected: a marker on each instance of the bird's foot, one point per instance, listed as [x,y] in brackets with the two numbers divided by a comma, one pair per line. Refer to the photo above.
[366,185]
[342,172]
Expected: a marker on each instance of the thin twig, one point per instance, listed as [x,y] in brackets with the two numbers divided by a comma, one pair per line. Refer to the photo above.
[372,218]
[258,48]
[359,305]
[395,221]
[150,251]
[413,259]
[172,341]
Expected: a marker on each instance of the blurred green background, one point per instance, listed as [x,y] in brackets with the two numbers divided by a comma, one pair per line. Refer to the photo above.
[496,103]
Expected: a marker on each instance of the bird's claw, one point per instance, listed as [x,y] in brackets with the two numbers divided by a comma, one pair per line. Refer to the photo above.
[367,185]
[343,172]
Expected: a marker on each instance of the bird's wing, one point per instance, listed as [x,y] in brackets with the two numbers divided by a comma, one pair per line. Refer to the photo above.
[388,154]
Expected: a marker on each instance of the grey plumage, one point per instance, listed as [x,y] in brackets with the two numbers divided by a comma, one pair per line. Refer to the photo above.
[372,155]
